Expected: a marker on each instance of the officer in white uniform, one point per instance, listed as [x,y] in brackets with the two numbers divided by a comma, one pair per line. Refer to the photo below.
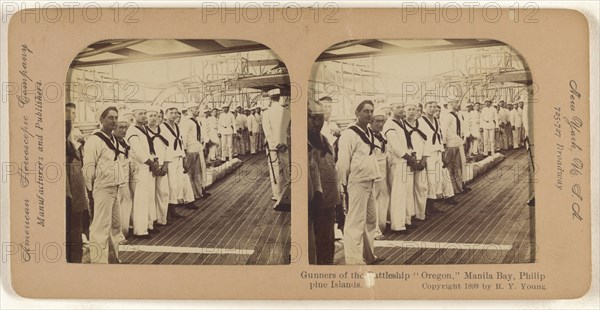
[227,128]
[358,171]
[276,123]
[489,127]
[517,124]
[103,176]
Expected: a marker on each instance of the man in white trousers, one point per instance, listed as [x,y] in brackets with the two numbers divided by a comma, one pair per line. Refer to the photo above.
[260,135]
[517,124]
[174,159]
[276,123]
[227,128]
[103,176]
[434,147]
[381,188]
[144,168]
[416,139]
[488,127]
[400,154]
[160,144]
[358,170]
[474,123]
[125,193]
[252,131]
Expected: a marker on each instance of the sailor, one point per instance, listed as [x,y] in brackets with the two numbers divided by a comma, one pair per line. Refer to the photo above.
[453,131]
[381,189]
[500,132]
[125,190]
[174,159]
[488,127]
[144,161]
[240,125]
[194,136]
[433,149]
[246,132]
[519,123]
[207,124]
[474,124]
[403,162]
[516,122]
[447,189]
[322,215]
[211,124]
[505,126]
[252,130]
[416,140]
[103,175]
[227,128]
[260,135]
[358,170]
[186,196]
[380,103]
[276,124]
[160,145]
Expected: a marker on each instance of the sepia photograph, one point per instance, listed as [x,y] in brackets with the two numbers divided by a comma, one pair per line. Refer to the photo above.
[178,154]
[419,153]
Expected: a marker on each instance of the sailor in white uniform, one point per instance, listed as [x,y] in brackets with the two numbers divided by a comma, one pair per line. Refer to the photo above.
[381,188]
[160,144]
[103,176]
[174,157]
[145,166]
[400,154]
[358,171]
[433,149]
[125,190]
[416,139]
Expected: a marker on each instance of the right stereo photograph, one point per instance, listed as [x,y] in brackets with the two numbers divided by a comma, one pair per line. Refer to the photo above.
[419,153]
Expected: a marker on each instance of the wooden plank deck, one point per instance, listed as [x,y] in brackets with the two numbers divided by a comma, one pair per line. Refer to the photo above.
[492,224]
[234,226]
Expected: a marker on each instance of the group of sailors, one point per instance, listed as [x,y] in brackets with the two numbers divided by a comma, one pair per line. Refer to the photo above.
[392,166]
[129,177]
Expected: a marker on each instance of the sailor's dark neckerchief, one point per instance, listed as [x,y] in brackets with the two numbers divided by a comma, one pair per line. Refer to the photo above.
[437,137]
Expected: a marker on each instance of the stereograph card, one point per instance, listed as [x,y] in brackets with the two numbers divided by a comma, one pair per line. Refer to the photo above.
[287,153]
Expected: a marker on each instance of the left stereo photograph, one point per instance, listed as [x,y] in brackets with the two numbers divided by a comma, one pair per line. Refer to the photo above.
[178,153]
